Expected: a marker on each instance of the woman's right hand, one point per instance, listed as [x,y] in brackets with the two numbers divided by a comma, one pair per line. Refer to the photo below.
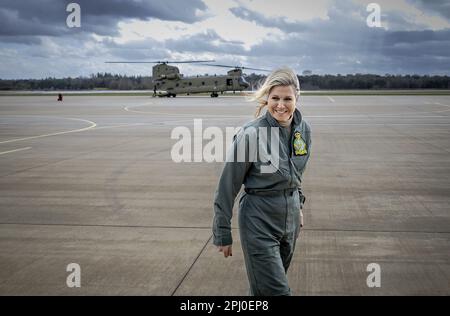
[227,250]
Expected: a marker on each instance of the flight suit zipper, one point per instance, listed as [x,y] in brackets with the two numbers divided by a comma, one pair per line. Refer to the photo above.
[290,137]
[291,140]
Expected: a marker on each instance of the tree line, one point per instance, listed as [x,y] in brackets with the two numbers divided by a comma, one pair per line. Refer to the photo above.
[109,81]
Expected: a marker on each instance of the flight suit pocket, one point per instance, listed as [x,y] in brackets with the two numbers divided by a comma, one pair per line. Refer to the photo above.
[300,162]
[267,272]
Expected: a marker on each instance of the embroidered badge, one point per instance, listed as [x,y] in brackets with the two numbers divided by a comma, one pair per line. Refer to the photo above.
[299,145]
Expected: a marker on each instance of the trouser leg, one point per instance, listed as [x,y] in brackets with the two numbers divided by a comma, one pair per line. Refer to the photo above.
[266,272]
[261,247]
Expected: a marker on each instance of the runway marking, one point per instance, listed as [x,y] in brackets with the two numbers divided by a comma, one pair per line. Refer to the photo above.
[93,124]
[331,99]
[317,229]
[122,125]
[14,150]
[437,103]
[128,108]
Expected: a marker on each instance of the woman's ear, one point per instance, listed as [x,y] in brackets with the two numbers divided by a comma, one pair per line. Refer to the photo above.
[297,98]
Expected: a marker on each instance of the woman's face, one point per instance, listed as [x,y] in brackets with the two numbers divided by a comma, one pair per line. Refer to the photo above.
[281,102]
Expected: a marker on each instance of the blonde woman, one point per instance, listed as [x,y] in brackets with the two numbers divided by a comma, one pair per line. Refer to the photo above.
[270,205]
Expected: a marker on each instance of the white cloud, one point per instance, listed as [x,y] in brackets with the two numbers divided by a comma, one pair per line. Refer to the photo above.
[293,10]
[219,18]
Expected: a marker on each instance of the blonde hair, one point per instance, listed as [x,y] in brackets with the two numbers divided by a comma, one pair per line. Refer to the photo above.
[279,77]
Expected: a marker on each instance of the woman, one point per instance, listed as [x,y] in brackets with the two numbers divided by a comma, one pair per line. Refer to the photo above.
[270,206]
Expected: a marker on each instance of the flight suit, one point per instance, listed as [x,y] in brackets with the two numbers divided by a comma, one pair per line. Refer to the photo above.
[269,205]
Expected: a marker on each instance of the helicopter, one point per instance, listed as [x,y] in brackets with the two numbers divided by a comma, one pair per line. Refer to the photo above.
[168,81]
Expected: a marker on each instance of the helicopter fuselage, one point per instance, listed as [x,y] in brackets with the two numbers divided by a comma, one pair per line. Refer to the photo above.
[168,81]
[200,84]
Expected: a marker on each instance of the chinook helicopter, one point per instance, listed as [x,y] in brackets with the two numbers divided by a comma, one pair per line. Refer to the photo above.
[168,81]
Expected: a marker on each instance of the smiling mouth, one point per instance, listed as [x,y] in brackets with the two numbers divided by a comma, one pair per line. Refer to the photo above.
[280,112]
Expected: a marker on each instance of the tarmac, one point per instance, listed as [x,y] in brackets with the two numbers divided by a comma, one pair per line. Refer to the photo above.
[91,181]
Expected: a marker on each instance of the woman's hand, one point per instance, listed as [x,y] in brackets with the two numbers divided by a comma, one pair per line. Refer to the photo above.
[227,250]
[301,218]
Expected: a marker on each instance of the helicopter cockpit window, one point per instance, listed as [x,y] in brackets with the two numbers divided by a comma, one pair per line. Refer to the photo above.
[242,81]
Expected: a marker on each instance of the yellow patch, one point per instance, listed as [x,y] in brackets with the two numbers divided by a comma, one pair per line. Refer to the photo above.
[299,145]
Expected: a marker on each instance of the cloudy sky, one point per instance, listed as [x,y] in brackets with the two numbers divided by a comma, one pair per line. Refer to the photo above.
[324,36]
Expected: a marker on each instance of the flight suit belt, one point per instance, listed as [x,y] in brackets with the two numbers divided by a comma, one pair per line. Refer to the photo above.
[270,192]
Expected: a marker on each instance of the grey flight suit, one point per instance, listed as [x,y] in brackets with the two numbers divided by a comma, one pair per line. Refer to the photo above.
[269,207]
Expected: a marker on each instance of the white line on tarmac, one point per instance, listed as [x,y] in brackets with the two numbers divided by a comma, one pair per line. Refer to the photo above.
[331,99]
[13,151]
[144,124]
[127,108]
[93,124]
[121,125]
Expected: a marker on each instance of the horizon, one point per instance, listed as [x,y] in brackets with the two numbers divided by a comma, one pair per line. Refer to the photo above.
[202,75]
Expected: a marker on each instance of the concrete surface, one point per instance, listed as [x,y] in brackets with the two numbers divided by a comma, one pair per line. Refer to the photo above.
[91,181]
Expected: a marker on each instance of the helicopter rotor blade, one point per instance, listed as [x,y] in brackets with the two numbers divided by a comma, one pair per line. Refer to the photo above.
[159,62]
[190,61]
[130,62]
[259,69]
[235,67]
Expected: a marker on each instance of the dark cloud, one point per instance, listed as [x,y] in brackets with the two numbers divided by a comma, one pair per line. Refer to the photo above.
[148,49]
[344,42]
[27,40]
[13,24]
[424,37]
[48,17]
[277,22]
[441,7]
[208,41]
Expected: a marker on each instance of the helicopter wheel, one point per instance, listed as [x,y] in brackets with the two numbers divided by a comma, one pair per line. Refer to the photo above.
[214,95]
